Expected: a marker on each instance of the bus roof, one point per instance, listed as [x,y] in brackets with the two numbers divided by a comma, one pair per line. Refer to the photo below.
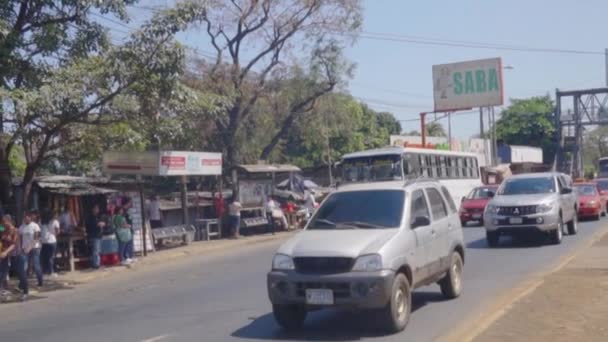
[396,150]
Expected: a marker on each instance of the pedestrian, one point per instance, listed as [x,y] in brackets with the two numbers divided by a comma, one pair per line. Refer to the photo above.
[29,236]
[9,238]
[234,217]
[310,203]
[270,208]
[123,235]
[154,213]
[67,221]
[50,229]
[94,228]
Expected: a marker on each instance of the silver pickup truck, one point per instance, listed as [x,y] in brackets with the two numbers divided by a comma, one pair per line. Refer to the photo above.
[532,203]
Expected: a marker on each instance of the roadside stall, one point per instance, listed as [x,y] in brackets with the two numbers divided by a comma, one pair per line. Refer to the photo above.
[173,164]
[254,184]
[77,196]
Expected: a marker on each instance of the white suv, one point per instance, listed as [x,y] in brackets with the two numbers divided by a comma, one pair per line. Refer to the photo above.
[368,246]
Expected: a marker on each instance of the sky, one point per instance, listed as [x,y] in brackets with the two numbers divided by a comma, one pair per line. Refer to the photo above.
[395,76]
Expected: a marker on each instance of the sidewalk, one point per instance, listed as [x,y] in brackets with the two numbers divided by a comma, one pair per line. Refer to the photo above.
[570,305]
[162,257]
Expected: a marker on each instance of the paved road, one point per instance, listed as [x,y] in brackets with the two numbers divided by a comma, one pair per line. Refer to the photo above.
[221,297]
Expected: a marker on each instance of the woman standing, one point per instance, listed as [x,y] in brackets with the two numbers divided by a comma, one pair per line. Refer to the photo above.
[9,238]
[124,236]
[50,230]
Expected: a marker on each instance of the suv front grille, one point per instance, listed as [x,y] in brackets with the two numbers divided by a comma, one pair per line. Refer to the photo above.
[323,265]
[517,211]
[340,290]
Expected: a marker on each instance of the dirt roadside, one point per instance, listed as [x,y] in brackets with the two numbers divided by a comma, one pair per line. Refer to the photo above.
[571,304]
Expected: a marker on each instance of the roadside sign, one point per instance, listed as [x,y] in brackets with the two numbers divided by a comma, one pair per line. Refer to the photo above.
[468,84]
[163,163]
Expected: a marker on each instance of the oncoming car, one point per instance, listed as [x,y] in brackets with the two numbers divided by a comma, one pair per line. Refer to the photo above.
[590,203]
[532,203]
[367,247]
[473,205]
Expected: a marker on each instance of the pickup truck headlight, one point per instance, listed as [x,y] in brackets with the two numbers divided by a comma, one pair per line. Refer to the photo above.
[282,262]
[368,263]
[544,207]
[491,209]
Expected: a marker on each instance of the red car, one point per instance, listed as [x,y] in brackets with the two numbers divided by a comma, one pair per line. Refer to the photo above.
[602,185]
[473,205]
[590,203]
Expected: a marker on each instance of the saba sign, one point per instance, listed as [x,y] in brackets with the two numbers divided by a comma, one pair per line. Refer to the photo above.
[468,84]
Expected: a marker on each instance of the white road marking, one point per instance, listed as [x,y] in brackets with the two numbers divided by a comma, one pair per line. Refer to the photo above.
[157,338]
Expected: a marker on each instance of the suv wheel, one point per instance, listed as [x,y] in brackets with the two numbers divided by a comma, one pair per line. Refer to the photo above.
[396,314]
[492,238]
[289,317]
[557,234]
[451,284]
[573,225]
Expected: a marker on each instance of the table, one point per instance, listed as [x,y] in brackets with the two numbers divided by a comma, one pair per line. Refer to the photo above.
[207,225]
[70,241]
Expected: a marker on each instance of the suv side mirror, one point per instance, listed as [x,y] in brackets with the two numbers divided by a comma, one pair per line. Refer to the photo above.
[420,221]
[491,194]
[566,191]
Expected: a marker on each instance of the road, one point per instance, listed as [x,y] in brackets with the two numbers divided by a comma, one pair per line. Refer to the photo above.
[222,297]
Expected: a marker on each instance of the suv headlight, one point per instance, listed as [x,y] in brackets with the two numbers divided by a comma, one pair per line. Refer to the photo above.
[282,262]
[368,263]
[544,207]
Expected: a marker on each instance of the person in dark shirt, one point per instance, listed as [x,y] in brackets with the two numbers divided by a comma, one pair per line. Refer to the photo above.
[94,226]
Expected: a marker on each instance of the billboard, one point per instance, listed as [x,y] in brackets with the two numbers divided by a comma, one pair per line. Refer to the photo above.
[162,163]
[468,84]
[130,163]
[182,163]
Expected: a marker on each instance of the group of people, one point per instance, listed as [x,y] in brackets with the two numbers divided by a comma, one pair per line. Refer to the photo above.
[33,244]
[118,223]
[274,211]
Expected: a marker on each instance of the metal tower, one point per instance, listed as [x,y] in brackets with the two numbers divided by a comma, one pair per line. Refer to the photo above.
[589,108]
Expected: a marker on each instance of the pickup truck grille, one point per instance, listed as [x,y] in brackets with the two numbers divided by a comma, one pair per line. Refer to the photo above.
[323,265]
[517,211]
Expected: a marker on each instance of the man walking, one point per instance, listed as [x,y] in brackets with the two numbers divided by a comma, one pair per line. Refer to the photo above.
[234,213]
[29,236]
[94,226]
[154,213]
[8,243]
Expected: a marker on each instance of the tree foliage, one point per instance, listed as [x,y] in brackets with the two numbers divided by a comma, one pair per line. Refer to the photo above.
[529,122]
[435,129]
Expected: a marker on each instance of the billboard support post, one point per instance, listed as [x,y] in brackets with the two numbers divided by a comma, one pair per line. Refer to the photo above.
[449,114]
[423,128]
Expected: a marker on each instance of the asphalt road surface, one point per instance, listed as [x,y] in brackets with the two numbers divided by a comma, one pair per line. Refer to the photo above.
[222,297]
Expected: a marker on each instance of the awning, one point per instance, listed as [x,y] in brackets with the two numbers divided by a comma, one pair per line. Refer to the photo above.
[268,168]
[73,189]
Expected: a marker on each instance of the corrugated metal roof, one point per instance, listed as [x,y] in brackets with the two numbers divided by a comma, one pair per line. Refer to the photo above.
[265,168]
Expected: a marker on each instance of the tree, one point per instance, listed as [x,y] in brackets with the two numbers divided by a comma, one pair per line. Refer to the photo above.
[59,72]
[595,146]
[256,41]
[435,129]
[529,122]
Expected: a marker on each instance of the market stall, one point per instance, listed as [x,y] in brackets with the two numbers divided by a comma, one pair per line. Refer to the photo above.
[255,183]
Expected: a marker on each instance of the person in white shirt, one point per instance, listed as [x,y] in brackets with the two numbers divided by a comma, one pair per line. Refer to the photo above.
[270,207]
[67,221]
[154,214]
[310,203]
[49,231]
[234,216]
[29,236]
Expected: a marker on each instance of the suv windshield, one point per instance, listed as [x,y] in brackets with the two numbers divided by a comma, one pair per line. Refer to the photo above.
[528,186]
[367,169]
[481,193]
[585,190]
[360,209]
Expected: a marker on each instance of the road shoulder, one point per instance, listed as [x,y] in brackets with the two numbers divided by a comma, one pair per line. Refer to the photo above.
[570,303]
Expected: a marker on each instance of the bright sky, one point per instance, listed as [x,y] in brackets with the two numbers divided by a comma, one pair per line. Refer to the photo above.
[395,76]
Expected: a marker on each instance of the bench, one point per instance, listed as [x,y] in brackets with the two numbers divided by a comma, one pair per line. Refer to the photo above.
[183,232]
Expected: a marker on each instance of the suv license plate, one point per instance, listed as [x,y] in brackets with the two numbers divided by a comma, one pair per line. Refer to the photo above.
[516,220]
[319,297]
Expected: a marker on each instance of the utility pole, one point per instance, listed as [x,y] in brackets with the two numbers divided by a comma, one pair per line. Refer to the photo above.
[606,68]
[494,147]
[450,130]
